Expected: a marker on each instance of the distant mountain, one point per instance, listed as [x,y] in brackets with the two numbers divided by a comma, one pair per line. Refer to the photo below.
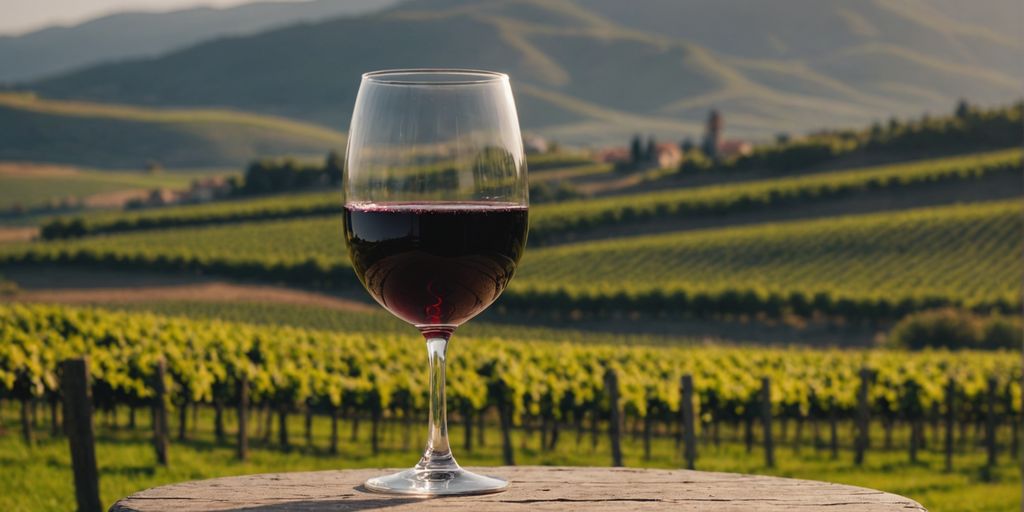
[118,136]
[595,71]
[140,34]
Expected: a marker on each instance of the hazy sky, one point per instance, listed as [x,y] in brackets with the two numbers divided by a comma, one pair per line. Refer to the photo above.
[19,16]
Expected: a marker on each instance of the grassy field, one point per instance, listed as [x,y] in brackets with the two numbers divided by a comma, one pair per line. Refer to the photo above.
[126,462]
[30,189]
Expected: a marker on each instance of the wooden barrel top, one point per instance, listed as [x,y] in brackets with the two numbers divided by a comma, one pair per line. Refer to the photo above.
[532,488]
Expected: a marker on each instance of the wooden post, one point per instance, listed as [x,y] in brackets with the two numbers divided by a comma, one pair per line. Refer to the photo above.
[26,423]
[766,421]
[578,419]
[218,419]
[282,428]
[689,437]
[748,428]
[553,437]
[54,421]
[798,435]
[648,425]
[505,417]
[78,424]
[243,417]
[990,422]
[611,382]
[334,429]
[863,416]
[545,422]
[481,416]
[268,421]
[161,431]
[950,415]
[467,420]
[308,426]
[375,413]
[183,417]
[33,418]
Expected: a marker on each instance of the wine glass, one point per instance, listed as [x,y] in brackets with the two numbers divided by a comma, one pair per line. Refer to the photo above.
[435,221]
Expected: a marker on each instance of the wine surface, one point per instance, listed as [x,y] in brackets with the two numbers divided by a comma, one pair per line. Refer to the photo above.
[435,264]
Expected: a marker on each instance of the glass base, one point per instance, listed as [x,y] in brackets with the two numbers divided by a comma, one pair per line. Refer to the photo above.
[436,482]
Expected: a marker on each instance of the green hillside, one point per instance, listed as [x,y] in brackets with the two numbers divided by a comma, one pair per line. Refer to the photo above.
[967,252]
[29,187]
[119,136]
[876,265]
[585,71]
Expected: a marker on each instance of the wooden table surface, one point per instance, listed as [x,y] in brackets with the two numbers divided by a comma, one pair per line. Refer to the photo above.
[533,488]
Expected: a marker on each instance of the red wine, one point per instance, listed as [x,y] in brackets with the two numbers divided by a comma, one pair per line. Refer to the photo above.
[435,264]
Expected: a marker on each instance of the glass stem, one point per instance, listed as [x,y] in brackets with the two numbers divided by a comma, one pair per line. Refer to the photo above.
[438,454]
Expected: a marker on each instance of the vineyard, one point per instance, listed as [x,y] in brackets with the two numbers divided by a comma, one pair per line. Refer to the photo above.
[550,221]
[262,382]
[291,370]
[862,267]
[866,266]
[580,216]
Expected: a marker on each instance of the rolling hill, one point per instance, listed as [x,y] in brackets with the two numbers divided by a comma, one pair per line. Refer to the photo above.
[136,34]
[599,70]
[118,136]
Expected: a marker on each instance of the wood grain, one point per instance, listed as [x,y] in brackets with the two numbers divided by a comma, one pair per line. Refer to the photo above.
[533,488]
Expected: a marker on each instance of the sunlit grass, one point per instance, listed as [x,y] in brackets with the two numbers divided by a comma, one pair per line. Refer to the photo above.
[40,478]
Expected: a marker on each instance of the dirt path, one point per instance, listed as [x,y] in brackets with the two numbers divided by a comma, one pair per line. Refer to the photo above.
[92,286]
[17,234]
[36,170]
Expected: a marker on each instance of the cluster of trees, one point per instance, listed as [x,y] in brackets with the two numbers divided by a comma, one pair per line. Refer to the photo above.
[957,329]
[639,153]
[268,176]
[547,192]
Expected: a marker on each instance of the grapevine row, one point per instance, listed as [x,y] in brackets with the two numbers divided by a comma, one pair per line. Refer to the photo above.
[289,368]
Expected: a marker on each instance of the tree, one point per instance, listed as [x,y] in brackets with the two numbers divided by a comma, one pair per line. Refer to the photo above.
[963,109]
[651,153]
[876,130]
[686,145]
[334,167]
[636,149]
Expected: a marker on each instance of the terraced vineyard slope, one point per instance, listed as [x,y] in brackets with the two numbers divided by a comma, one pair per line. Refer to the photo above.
[548,221]
[875,265]
[861,266]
